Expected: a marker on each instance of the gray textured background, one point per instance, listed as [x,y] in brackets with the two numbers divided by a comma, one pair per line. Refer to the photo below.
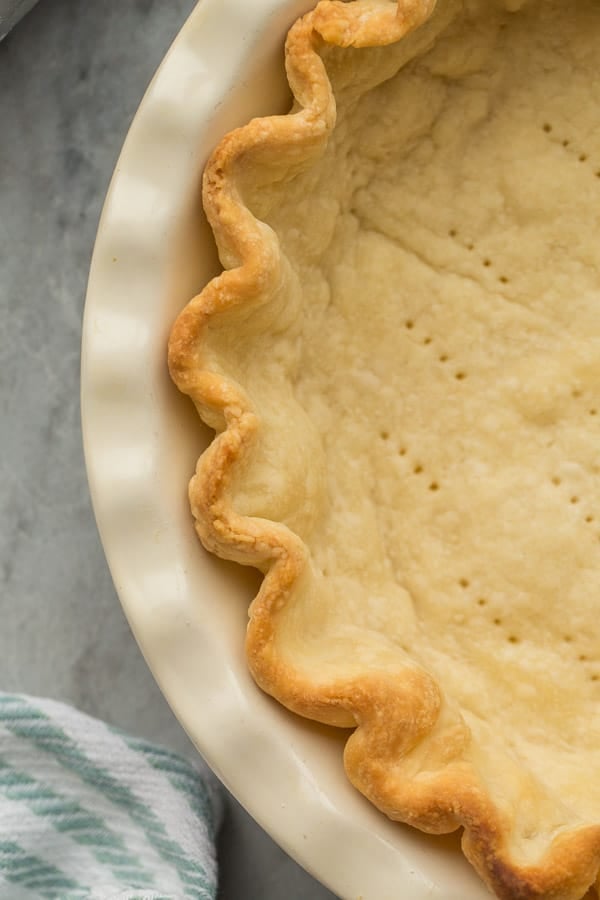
[71,76]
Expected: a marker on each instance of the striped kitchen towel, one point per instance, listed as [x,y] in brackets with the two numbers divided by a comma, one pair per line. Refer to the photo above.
[88,812]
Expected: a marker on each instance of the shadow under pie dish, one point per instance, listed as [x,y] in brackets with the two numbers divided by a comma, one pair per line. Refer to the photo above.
[401,361]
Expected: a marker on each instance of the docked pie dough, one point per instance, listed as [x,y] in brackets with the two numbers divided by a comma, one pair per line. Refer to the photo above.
[402,363]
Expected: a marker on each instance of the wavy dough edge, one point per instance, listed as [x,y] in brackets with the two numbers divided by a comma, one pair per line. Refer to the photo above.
[453,796]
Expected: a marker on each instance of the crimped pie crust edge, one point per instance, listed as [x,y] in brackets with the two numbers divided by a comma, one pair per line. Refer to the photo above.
[453,796]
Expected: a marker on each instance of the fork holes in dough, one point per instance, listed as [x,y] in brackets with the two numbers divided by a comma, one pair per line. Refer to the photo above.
[464,582]
[418,469]
[409,324]
[482,601]
[434,486]
[460,376]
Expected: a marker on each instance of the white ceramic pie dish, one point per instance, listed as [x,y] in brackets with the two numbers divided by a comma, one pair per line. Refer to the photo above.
[187,610]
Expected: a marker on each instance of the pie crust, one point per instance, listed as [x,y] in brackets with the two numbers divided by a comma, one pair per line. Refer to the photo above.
[401,361]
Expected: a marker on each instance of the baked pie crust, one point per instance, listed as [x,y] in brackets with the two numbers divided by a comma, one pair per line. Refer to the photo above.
[401,361]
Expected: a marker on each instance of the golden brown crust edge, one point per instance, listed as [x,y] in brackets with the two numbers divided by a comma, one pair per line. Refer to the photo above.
[391,718]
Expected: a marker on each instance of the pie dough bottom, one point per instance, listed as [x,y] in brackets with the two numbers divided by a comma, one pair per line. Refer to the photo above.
[424,381]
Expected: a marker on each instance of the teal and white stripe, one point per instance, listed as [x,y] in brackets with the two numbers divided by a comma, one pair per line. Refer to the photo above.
[86,811]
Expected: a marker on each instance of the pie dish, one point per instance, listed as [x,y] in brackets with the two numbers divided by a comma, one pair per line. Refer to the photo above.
[401,360]
[187,609]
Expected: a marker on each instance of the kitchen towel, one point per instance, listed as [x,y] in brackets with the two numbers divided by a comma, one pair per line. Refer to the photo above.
[89,812]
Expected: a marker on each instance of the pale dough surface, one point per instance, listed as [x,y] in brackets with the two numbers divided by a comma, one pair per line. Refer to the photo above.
[448,355]
[428,382]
